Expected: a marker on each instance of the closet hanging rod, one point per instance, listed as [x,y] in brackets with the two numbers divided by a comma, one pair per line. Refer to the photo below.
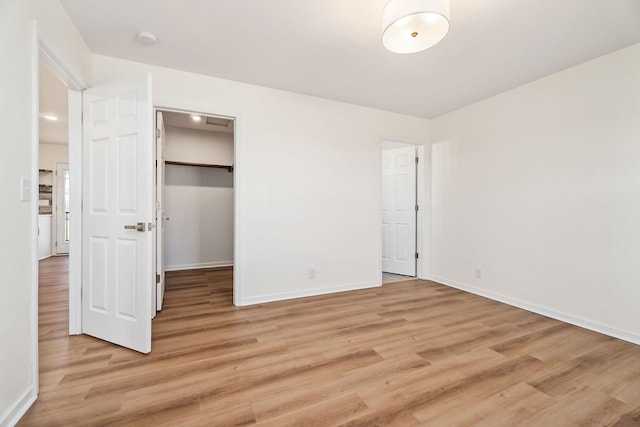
[229,168]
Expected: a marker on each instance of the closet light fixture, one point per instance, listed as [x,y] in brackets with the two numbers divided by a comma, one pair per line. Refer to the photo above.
[196,118]
[410,26]
[51,117]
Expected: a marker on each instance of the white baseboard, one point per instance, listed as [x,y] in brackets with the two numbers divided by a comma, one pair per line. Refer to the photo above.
[307,293]
[12,415]
[564,317]
[196,266]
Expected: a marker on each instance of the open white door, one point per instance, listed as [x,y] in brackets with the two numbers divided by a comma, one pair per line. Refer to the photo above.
[160,214]
[118,214]
[399,211]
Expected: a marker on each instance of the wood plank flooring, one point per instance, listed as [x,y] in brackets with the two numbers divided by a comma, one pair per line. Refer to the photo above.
[413,353]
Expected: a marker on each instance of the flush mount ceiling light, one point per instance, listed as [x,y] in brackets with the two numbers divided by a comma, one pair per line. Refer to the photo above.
[410,26]
[147,38]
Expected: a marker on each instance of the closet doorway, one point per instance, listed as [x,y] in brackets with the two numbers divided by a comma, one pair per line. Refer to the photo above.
[195,182]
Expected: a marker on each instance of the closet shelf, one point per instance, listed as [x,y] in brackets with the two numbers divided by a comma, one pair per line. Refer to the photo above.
[202,165]
[45,170]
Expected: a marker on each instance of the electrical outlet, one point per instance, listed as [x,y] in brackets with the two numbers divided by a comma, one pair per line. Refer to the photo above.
[312,273]
[478,273]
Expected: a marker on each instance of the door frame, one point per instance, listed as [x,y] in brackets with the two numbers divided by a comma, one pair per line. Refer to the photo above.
[423,186]
[75,84]
[169,106]
[43,52]
[392,247]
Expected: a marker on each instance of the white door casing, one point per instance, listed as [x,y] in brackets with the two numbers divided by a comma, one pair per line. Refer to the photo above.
[399,210]
[160,211]
[62,208]
[118,185]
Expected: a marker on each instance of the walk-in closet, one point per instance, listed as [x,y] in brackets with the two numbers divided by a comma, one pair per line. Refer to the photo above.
[198,191]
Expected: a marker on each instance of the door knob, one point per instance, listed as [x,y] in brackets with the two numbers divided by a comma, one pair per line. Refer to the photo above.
[138,227]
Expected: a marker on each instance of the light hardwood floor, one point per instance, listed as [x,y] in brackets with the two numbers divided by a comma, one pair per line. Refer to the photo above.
[409,353]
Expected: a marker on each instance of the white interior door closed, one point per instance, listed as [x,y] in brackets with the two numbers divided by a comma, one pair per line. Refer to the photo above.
[399,210]
[160,211]
[62,208]
[118,212]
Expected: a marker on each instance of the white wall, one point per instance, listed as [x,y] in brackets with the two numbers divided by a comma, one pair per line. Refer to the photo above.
[198,200]
[44,236]
[197,146]
[18,377]
[307,179]
[199,203]
[540,188]
[50,154]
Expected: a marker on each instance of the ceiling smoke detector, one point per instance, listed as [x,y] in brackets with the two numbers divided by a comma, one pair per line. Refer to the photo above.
[147,38]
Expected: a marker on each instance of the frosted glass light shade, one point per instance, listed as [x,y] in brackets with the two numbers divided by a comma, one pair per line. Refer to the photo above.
[413,25]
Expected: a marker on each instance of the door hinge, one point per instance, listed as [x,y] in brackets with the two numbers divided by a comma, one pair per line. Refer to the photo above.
[417,208]
[157,133]
[417,255]
[157,278]
[416,160]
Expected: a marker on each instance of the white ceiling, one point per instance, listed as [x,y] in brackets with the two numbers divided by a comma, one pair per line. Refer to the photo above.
[332,48]
[53,100]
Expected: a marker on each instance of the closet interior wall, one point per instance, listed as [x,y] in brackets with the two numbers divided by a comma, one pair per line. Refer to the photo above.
[198,199]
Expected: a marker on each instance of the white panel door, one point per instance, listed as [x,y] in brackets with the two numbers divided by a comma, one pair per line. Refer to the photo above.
[160,211]
[118,212]
[399,211]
